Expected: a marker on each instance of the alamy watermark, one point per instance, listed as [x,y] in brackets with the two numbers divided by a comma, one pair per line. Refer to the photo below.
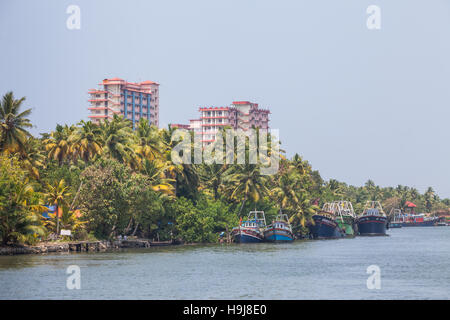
[374,19]
[374,280]
[74,279]
[73,22]
[252,146]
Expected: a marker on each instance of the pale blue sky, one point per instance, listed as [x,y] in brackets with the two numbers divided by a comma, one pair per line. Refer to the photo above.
[356,103]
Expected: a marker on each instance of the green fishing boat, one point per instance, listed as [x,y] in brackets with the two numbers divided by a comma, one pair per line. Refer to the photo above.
[345,216]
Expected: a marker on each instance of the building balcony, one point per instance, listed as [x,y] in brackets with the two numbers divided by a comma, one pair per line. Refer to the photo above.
[97,99]
[214,124]
[94,91]
[98,116]
[216,117]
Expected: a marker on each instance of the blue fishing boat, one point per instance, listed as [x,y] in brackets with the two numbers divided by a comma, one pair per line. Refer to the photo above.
[280,230]
[372,221]
[325,225]
[251,230]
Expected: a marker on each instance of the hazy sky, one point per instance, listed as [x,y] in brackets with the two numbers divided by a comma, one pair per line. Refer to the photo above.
[356,103]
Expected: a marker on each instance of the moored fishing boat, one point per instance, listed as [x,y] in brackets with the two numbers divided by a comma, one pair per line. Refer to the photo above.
[345,216]
[373,220]
[412,219]
[396,218]
[325,225]
[251,230]
[420,220]
[280,230]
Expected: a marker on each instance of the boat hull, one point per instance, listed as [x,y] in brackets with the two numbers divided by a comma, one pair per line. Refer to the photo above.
[395,225]
[430,223]
[346,225]
[324,228]
[372,226]
[247,236]
[278,235]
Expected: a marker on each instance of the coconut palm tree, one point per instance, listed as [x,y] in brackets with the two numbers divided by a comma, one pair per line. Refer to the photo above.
[304,210]
[286,190]
[57,195]
[117,139]
[211,178]
[59,145]
[245,183]
[31,157]
[155,171]
[303,167]
[148,141]
[430,198]
[86,140]
[13,124]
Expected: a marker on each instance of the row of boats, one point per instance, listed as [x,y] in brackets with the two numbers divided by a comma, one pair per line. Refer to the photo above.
[336,220]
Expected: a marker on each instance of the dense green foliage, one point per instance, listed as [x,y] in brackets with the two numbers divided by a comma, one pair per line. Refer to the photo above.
[109,180]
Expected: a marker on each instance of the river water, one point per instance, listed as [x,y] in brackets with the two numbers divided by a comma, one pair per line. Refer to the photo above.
[414,263]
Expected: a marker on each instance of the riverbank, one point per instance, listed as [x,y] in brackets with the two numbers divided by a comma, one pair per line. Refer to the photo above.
[81,246]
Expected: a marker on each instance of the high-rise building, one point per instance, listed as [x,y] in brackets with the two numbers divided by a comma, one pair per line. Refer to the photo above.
[131,100]
[240,115]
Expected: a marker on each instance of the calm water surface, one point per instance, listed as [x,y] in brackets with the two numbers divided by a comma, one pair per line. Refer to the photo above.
[414,263]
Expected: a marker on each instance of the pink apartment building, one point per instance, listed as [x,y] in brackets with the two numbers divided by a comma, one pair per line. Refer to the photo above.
[240,115]
[131,100]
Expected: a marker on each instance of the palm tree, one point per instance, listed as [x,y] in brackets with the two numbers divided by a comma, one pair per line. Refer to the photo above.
[246,182]
[57,195]
[13,123]
[430,198]
[335,188]
[285,190]
[301,166]
[117,138]
[148,141]
[211,178]
[60,146]
[31,157]
[304,210]
[185,176]
[86,140]
[155,171]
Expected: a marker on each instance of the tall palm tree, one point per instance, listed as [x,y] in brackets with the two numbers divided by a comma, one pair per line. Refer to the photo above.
[155,171]
[301,166]
[86,140]
[57,195]
[185,176]
[148,141]
[304,210]
[430,198]
[31,157]
[211,178]
[59,145]
[335,188]
[286,190]
[117,139]
[13,124]
[246,183]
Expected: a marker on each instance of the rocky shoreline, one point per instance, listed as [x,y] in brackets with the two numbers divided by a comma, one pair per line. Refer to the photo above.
[79,246]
